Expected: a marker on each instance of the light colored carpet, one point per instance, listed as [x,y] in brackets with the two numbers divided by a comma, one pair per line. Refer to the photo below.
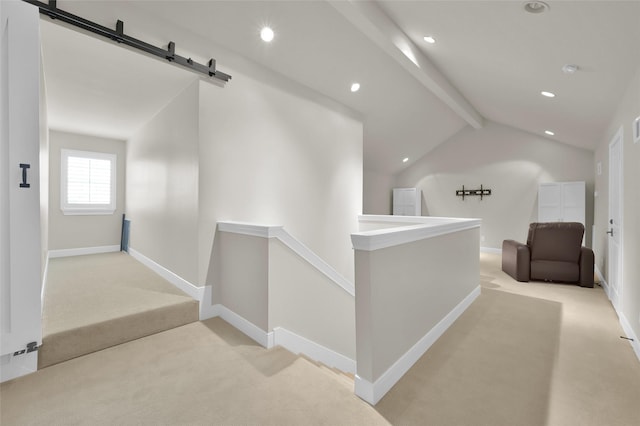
[97,301]
[522,354]
[205,373]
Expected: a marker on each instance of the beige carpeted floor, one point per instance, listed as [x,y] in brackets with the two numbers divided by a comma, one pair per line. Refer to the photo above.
[522,354]
[97,301]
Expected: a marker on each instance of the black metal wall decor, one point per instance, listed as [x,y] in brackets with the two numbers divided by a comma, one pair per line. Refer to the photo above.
[118,36]
[468,192]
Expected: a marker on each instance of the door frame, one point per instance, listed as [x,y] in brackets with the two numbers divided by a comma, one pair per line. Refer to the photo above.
[615,290]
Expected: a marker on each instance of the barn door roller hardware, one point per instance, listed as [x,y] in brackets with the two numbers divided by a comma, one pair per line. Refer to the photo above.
[119,36]
[468,192]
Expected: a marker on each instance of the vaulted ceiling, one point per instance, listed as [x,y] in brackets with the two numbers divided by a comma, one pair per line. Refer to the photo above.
[490,61]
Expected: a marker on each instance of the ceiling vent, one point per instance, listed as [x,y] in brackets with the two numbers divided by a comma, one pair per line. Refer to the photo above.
[536,6]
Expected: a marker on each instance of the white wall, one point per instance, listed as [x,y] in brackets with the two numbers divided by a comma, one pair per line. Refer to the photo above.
[242,277]
[628,110]
[377,193]
[80,231]
[509,162]
[270,151]
[162,186]
[304,301]
[271,155]
[407,295]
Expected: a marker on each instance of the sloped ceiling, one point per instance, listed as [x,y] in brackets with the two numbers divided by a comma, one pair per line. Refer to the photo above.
[490,61]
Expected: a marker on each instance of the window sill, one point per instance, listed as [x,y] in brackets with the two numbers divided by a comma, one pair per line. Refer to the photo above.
[87,212]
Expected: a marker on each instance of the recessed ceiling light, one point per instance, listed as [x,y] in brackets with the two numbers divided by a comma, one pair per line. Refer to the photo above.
[548,94]
[536,6]
[355,87]
[570,69]
[429,39]
[405,159]
[266,34]
[549,132]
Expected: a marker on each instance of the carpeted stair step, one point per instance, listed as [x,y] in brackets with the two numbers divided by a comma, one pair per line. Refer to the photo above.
[346,379]
[72,343]
[93,302]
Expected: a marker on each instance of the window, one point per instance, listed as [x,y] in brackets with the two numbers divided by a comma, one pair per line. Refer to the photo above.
[87,183]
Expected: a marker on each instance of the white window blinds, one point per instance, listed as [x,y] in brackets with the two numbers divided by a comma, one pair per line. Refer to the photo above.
[87,182]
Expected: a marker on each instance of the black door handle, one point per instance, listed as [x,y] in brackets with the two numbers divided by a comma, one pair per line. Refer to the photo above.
[24,168]
[610,232]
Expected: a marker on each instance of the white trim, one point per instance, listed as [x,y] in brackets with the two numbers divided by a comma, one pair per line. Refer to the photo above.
[44,282]
[87,209]
[82,251]
[389,237]
[617,138]
[271,340]
[12,367]
[603,282]
[298,344]
[245,326]
[490,250]
[207,309]
[252,229]
[373,392]
[433,220]
[635,344]
[87,212]
[626,326]
[269,231]
[315,260]
[181,283]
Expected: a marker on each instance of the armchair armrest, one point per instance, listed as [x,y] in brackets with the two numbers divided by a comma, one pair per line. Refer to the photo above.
[586,267]
[516,260]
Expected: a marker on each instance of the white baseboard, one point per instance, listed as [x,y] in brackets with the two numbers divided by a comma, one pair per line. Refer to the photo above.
[301,345]
[373,392]
[490,250]
[176,280]
[251,330]
[282,337]
[207,308]
[603,282]
[210,311]
[626,326]
[82,251]
[12,367]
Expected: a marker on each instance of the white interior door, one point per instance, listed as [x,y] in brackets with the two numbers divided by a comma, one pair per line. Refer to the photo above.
[20,285]
[615,220]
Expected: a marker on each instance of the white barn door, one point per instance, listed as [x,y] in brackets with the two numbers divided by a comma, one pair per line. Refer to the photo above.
[20,251]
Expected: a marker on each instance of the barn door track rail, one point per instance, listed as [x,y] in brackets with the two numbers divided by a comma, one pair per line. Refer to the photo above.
[50,9]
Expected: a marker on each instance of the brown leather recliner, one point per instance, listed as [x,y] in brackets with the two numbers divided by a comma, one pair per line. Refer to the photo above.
[553,252]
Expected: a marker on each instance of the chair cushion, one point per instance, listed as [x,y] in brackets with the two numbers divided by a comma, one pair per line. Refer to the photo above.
[555,241]
[555,271]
